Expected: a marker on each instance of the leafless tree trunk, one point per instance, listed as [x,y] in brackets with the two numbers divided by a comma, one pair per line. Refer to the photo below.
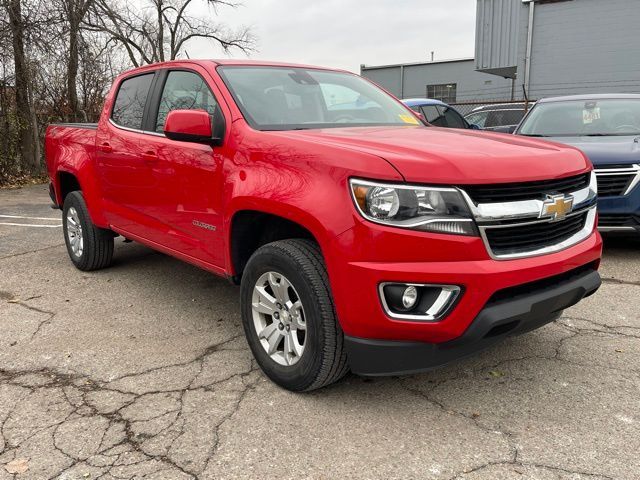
[27,133]
[75,11]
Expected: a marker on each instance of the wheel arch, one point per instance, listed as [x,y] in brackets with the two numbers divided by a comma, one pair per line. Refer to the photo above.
[251,228]
[85,180]
[67,182]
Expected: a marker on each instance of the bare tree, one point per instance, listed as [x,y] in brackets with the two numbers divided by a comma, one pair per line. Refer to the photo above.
[100,61]
[26,140]
[75,12]
[58,59]
[159,30]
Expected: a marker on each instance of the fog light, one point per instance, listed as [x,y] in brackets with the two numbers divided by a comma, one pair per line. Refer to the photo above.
[421,302]
[409,297]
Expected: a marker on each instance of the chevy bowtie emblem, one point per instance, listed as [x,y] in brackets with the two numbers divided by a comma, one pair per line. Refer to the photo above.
[557,207]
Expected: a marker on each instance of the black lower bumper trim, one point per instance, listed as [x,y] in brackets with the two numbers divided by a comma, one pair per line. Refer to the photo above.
[519,314]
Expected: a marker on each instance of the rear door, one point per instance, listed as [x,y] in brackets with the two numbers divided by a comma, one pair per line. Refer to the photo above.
[125,175]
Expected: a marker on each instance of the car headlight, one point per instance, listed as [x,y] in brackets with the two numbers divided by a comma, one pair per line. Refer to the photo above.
[428,209]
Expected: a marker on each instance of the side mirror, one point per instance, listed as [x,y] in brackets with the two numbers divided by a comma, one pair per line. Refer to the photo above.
[473,126]
[192,126]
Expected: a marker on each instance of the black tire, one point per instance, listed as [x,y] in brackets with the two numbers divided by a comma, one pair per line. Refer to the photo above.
[324,359]
[97,251]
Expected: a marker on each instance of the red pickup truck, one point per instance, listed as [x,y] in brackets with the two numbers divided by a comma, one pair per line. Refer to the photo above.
[362,239]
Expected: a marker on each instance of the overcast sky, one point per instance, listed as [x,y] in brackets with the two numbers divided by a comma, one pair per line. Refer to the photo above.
[347,33]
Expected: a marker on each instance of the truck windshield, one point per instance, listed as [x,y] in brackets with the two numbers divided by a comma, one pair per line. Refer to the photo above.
[574,118]
[285,98]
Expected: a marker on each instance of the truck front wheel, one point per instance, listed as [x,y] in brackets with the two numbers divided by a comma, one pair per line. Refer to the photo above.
[89,247]
[289,317]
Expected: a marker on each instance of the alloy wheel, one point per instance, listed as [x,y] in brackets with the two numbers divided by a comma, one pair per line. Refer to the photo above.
[278,318]
[74,232]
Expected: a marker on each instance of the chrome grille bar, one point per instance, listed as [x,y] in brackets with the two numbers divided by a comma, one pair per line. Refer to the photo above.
[633,171]
[505,215]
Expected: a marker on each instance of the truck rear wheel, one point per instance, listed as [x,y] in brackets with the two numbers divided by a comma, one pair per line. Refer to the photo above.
[289,317]
[89,247]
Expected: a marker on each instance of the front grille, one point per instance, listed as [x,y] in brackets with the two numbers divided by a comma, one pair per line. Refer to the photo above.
[513,192]
[617,220]
[534,236]
[614,185]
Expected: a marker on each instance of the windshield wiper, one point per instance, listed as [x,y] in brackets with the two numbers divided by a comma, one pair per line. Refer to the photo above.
[533,135]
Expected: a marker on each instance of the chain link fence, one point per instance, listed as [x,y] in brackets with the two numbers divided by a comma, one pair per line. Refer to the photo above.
[491,114]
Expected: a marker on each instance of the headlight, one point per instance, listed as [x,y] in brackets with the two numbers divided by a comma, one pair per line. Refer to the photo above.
[429,209]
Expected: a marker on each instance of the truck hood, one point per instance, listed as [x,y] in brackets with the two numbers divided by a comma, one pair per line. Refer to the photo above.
[612,150]
[450,156]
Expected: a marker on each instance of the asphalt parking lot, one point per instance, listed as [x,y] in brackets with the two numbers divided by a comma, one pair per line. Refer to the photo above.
[142,371]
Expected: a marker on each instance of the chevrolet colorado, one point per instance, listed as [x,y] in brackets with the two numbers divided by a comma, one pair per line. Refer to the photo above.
[361,238]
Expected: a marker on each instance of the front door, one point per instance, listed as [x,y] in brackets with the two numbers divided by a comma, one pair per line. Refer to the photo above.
[188,177]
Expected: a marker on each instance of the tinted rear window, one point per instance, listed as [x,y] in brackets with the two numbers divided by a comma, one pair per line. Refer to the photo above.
[128,109]
[453,118]
[432,114]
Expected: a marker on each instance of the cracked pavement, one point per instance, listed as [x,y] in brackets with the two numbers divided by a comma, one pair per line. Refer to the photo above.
[142,371]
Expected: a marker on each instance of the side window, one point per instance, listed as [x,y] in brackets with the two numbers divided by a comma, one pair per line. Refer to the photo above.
[512,117]
[435,118]
[453,118]
[500,118]
[184,91]
[128,109]
[479,119]
[431,113]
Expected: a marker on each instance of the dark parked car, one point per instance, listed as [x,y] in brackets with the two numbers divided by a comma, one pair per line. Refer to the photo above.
[438,113]
[607,129]
[501,117]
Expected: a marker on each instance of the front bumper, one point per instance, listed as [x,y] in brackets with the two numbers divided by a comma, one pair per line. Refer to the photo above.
[421,258]
[508,312]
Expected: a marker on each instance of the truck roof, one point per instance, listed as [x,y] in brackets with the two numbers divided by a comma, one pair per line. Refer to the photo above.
[267,63]
[234,62]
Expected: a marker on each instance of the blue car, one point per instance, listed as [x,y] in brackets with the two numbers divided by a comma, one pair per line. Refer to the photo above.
[607,129]
[438,113]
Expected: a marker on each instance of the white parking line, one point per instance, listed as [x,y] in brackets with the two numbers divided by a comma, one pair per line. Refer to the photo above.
[29,225]
[29,218]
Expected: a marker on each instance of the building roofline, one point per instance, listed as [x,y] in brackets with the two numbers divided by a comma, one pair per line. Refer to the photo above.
[415,64]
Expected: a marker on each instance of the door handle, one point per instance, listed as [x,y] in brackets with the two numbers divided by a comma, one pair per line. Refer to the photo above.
[150,157]
[106,147]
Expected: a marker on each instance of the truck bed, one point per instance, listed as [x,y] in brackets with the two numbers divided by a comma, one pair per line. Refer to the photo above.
[90,126]
[68,145]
